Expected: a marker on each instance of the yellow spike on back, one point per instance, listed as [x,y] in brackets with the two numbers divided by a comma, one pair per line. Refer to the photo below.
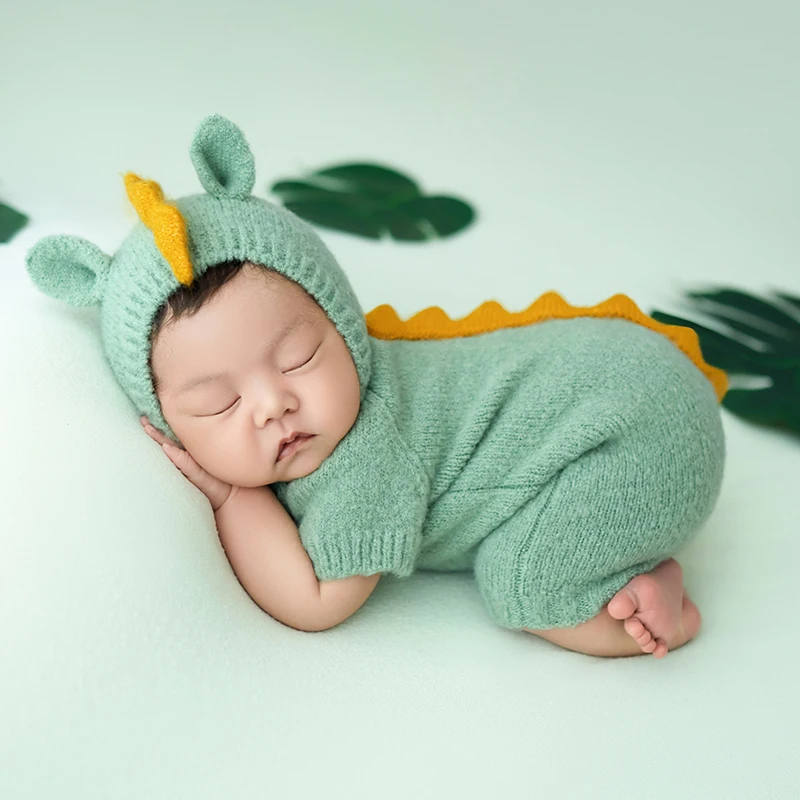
[383,322]
[166,223]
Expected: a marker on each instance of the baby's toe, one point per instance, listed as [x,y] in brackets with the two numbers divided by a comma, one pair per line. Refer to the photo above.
[622,605]
[634,628]
[661,649]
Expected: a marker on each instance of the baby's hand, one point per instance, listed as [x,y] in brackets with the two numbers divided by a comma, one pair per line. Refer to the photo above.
[214,489]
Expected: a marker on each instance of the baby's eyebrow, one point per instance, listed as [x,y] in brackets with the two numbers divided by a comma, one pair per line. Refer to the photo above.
[300,320]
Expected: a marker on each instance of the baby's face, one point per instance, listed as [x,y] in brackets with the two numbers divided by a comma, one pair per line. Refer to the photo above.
[270,385]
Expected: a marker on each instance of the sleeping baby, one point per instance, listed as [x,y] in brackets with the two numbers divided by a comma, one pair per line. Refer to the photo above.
[562,455]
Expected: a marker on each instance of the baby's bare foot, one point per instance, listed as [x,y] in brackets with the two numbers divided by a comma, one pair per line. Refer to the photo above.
[658,617]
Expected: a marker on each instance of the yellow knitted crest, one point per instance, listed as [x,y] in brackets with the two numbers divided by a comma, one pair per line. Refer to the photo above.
[166,223]
[433,323]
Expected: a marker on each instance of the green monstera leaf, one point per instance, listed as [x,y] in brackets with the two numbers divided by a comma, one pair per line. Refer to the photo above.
[373,201]
[778,357]
[11,222]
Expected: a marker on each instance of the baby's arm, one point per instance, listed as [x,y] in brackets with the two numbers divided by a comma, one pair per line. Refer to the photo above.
[263,546]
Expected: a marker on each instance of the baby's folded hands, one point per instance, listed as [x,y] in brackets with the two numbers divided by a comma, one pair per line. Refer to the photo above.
[217,491]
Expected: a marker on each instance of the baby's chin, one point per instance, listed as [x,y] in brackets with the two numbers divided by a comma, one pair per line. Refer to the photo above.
[292,473]
[296,471]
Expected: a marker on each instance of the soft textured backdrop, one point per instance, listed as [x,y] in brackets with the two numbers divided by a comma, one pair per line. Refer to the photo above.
[608,147]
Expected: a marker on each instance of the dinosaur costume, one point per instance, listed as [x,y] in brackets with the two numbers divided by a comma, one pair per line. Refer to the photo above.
[556,452]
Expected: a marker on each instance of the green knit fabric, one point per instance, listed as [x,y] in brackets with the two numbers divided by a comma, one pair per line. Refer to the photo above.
[557,461]
[225,224]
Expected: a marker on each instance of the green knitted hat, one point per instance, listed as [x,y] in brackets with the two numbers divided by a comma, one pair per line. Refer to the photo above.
[177,241]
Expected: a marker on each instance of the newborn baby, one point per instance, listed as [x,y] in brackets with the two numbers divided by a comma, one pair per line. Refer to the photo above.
[283,369]
[563,455]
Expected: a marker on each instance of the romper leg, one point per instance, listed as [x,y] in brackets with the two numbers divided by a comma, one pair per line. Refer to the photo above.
[614,512]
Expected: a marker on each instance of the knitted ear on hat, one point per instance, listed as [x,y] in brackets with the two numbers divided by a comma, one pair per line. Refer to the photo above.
[222,159]
[69,268]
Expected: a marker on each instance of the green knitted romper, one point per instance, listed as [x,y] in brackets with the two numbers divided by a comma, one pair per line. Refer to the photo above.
[557,460]
[556,452]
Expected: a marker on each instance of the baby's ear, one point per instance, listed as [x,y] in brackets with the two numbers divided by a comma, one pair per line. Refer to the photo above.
[69,268]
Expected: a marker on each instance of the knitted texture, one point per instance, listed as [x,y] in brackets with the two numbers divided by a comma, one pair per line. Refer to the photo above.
[150,264]
[434,323]
[363,509]
[557,460]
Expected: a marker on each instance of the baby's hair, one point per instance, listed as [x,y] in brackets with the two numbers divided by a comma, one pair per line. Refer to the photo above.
[186,301]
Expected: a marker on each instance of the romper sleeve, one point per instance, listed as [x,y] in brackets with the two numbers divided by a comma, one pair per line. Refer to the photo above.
[363,509]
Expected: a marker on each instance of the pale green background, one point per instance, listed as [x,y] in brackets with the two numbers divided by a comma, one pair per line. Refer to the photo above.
[609,147]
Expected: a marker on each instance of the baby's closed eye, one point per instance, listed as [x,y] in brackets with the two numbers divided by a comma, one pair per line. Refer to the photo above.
[291,369]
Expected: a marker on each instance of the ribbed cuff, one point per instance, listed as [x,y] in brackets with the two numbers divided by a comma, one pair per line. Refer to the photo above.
[365,556]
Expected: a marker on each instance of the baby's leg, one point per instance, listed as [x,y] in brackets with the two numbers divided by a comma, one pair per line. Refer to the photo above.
[585,563]
[664,620]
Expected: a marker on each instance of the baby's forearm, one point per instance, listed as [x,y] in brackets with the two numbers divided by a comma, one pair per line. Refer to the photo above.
[263,546]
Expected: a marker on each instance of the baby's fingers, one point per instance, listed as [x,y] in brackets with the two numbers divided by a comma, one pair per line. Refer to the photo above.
[156,434]
[187,465]
[183,461]
[214,489]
